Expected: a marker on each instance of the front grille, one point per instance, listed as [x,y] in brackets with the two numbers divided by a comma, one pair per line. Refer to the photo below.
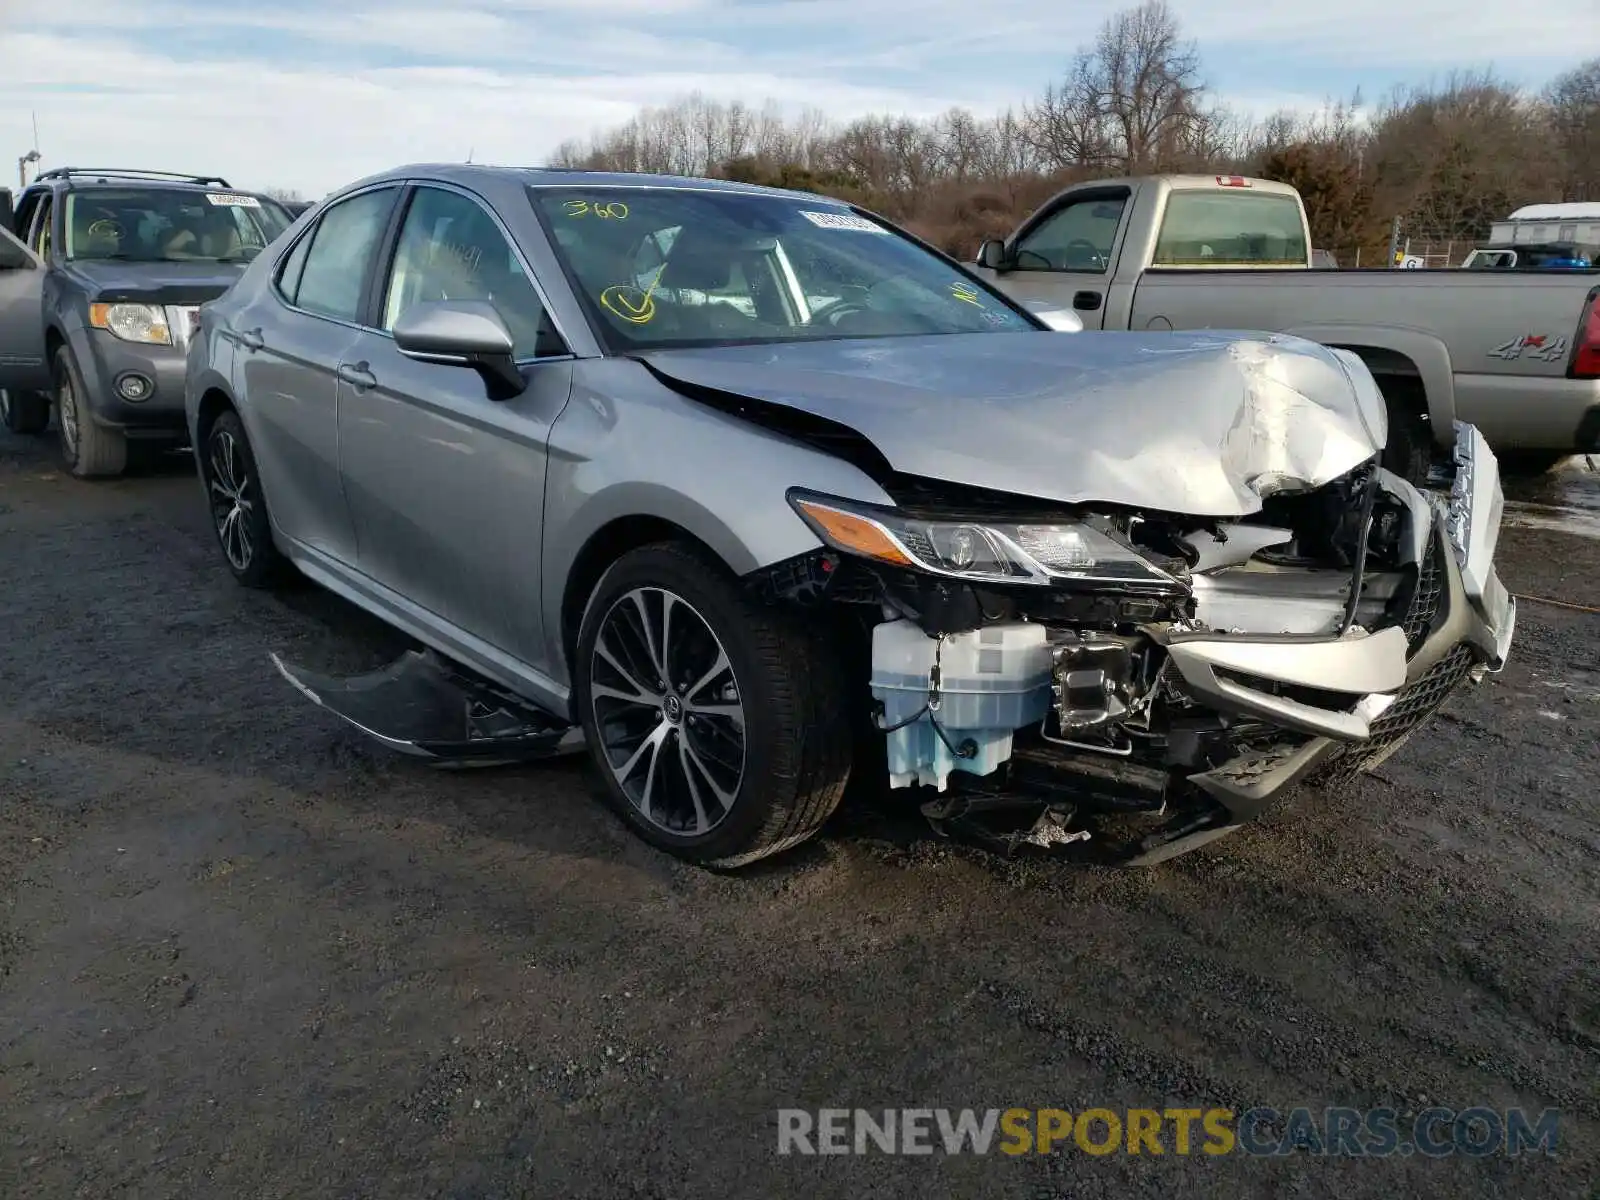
[1424,607]
[1416,703]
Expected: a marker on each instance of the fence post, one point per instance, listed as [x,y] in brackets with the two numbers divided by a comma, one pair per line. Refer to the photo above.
[1394,241]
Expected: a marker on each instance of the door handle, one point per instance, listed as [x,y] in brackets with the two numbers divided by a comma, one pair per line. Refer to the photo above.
[358,376]
[1086,301]
[250,339]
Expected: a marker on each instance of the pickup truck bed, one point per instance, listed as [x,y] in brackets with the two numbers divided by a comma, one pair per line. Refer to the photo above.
[1504,351]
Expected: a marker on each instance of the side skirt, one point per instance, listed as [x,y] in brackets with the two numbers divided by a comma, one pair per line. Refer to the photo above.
[422,706]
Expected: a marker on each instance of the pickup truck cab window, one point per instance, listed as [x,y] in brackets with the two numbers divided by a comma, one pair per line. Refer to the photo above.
[1230,228]
[1078,236]
[451,249]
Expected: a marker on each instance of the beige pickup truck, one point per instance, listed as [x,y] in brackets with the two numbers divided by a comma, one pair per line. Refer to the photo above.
[1516,353]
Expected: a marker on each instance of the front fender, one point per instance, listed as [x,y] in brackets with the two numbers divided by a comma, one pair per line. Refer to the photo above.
[1426,353]
[626,446]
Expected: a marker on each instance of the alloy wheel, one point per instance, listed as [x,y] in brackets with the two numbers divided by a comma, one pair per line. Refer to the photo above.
[67,416]
[231,500]
[668,710]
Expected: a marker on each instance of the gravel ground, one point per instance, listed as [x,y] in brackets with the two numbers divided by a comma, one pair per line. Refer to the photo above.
[244,952]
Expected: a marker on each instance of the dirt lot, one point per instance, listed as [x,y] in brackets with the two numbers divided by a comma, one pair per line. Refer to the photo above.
[245,953]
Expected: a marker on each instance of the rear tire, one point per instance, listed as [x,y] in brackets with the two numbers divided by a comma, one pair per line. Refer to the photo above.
[1409,453]
[238,505]
[1529,462]
[24,412]
[88,450]
[746,751]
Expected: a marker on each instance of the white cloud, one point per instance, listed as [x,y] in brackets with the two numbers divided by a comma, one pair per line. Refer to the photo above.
[285,94]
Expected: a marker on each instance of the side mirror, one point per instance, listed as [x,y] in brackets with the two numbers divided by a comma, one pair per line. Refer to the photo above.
[462,333]
[992,254]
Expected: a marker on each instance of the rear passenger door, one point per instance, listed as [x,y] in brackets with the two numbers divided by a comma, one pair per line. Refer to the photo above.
[290,344]
[447,485]
[22,362]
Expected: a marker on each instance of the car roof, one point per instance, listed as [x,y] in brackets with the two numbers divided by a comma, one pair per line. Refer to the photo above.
[468,174]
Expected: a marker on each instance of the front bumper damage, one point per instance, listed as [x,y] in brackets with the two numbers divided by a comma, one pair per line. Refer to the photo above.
[1299,706]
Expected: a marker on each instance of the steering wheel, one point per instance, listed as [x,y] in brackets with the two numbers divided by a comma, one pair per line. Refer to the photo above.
[835,309]
[105,227]
[1096,259]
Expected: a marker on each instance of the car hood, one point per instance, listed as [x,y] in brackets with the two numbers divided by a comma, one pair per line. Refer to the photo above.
[156,282]
[1205,423]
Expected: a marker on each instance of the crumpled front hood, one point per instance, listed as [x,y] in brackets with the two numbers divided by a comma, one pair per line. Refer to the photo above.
[1204,423]
[109,281]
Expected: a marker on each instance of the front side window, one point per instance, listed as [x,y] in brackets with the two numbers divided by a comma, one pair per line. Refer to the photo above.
[663,267]
[1078,236]
[1230,228]
[341,249]
[169,225]
[451,249]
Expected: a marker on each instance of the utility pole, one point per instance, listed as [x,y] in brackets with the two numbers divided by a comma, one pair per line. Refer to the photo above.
[22,167]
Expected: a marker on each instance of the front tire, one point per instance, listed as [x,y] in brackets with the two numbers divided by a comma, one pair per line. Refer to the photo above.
[717,723]
[88,450]
[238,506]
[24,412]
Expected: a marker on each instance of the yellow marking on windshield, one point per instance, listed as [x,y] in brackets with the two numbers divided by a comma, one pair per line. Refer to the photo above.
[966,292]
[611,210]
[618,300]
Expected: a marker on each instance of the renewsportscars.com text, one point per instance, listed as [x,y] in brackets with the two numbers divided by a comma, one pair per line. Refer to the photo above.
[1339,1132]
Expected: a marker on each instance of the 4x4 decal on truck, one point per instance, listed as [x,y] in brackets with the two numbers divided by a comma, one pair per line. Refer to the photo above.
[1532,345]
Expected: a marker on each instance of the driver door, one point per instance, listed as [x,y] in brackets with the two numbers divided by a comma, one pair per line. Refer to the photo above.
[22,360]
[1066,255]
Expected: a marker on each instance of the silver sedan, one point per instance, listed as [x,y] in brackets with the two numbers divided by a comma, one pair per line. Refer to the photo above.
[742,489]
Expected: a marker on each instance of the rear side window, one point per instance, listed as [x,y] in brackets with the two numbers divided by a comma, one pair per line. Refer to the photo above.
[1230,228]
[334,272]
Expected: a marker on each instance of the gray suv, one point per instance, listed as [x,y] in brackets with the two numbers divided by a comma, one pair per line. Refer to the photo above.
[99,329]
[749,490]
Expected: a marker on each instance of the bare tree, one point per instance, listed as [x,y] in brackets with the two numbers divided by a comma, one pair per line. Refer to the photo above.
[283,195]
[1573,101]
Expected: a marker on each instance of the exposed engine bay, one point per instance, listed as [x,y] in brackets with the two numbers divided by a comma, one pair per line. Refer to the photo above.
[1042,668]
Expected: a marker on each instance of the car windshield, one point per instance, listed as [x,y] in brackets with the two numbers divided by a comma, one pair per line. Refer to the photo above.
[664,267]
[169,225]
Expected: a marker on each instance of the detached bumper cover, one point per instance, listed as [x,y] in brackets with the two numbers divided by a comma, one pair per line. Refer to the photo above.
[1463,619]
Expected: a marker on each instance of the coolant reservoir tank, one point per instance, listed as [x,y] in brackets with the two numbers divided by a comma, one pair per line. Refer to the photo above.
[991,682]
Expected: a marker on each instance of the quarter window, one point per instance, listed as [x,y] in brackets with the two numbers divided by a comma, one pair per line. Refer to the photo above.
[334,271]
[451,249]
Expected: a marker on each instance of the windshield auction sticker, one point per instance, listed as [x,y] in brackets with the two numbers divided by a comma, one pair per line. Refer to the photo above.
[231,200]
[839,220]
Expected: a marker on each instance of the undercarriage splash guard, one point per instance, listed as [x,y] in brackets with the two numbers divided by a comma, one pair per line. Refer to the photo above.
[419,705]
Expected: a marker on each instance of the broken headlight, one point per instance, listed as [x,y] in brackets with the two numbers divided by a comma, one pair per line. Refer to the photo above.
[981,551]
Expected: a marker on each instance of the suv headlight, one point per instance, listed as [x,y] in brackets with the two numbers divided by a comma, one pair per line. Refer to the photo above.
[146,323]
[1060,552]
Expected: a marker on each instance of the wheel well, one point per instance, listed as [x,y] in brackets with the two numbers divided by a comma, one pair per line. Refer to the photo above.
[212,405]
[609,543]
[53,341]
[1397,376]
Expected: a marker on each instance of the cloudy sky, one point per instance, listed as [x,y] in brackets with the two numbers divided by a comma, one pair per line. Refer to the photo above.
[307,95]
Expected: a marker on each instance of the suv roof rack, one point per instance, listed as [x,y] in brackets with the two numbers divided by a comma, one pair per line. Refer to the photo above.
[125,173]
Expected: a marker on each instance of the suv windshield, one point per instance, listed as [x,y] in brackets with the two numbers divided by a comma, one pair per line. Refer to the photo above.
[661,267]
[169,225]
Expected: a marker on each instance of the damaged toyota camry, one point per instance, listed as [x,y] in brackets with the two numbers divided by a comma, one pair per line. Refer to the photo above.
[745,491]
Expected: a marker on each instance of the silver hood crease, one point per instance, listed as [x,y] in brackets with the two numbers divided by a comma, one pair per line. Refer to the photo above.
[1207,425]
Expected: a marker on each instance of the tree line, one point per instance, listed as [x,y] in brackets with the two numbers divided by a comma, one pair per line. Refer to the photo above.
[1446,158]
